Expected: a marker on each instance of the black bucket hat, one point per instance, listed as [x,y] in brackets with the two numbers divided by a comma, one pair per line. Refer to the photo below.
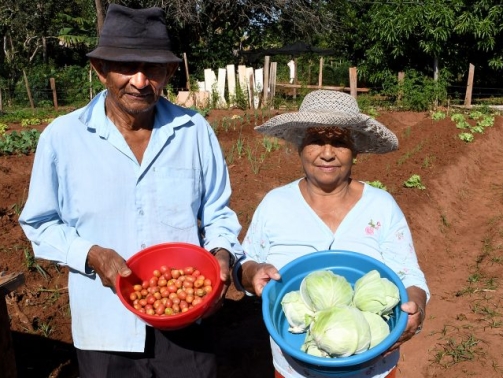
[134,35]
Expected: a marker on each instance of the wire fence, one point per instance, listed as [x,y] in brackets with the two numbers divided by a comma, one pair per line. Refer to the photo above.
[77,95]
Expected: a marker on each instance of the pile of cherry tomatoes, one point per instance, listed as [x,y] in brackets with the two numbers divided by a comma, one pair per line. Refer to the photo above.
[170,291]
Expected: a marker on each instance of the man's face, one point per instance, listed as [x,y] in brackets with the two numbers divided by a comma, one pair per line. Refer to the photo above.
[134,87]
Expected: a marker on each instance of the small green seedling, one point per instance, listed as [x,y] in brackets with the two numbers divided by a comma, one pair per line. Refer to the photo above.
[414,182]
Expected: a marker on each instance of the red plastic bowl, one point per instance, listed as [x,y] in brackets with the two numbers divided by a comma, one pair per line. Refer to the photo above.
[178,256]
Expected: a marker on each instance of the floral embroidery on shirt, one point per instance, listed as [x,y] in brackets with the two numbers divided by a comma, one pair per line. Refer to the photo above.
[372,227]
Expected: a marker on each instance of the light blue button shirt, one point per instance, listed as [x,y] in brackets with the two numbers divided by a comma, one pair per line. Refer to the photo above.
[87,188]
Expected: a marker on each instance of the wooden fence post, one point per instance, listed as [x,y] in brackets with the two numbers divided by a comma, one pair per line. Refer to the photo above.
[54,93]
[469,86]
[90,82]
[295,78]
[187,83]
[401,78]
[320,76]
[353,82]
[28,90]
[265,94]
[272,82]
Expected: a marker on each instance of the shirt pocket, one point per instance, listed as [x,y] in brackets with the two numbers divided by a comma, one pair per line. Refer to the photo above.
[178,196]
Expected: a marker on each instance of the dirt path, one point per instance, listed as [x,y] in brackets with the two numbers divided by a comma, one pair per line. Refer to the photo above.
[464,214]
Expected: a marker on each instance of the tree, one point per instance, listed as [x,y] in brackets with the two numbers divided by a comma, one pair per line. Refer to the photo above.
[427,36]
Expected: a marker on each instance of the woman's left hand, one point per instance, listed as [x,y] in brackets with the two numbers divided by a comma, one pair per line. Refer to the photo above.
[415,309]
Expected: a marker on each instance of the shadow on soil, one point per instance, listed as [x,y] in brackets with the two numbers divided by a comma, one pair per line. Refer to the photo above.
[241,340]
[40,357]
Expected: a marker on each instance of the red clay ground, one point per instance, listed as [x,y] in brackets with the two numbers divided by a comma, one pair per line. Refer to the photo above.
[457,224]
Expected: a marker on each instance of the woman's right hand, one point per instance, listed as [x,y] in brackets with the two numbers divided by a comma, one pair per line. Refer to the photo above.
[107,264]
[256,275]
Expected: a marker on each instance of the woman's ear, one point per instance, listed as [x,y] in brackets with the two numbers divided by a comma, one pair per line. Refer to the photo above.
[100,67]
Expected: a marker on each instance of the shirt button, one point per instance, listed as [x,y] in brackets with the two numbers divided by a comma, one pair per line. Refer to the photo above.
[143,246]
[141,212]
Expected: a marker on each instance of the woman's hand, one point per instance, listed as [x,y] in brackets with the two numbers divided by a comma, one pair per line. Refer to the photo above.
[415,309]
[107,264]
[256,275]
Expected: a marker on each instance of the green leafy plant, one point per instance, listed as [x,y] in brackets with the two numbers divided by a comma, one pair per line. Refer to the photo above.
[438,115]
[462,124]
[414,181]
[3,128]
[229,157]
[377,184]
[23,142]
[270,144]
[476,114]
[457,117]
[477,129]
[487,121]
[417,92]
[466,137]
[31,263]
[30,122]
[240,143]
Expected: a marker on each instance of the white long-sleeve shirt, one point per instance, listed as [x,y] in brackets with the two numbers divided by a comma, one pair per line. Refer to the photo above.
[87,188]
[285,227]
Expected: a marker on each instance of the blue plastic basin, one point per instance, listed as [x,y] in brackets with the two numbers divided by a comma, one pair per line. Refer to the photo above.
[352,266]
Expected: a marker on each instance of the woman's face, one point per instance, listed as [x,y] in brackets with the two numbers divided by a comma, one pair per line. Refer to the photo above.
[326,156]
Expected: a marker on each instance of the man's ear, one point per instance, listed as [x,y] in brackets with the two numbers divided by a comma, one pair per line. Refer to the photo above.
[99,66]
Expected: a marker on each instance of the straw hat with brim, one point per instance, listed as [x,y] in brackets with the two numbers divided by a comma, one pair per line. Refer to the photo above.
[324,108]
[134,35]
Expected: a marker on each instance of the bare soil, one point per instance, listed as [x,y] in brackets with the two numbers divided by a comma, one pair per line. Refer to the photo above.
[457,224]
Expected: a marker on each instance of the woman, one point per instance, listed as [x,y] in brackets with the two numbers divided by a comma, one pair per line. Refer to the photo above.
[328,210]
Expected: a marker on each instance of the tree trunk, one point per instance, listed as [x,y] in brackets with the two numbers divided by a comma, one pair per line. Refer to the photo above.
[435,68]
[44,50]
[100,15]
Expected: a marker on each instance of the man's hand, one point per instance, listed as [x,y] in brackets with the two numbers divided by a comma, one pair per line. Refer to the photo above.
[107,264]
[223,258]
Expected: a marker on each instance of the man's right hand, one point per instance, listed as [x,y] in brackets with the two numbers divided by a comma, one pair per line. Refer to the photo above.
[107,264]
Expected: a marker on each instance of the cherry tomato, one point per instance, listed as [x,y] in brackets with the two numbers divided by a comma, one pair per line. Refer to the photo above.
[170,291]
[196,273]
[188,270]
[175,273]
[153,281]
[208,289]
[163,269]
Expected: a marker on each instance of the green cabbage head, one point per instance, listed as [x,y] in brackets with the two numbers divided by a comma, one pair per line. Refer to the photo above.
[297,314]
[379,329]
[375,294]
[341,331]
[323,289]
[310,347]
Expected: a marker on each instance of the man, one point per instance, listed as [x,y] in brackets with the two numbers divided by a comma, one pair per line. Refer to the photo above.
[128,171]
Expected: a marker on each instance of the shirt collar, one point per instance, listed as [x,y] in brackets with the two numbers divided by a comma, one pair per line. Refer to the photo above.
[168,116]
